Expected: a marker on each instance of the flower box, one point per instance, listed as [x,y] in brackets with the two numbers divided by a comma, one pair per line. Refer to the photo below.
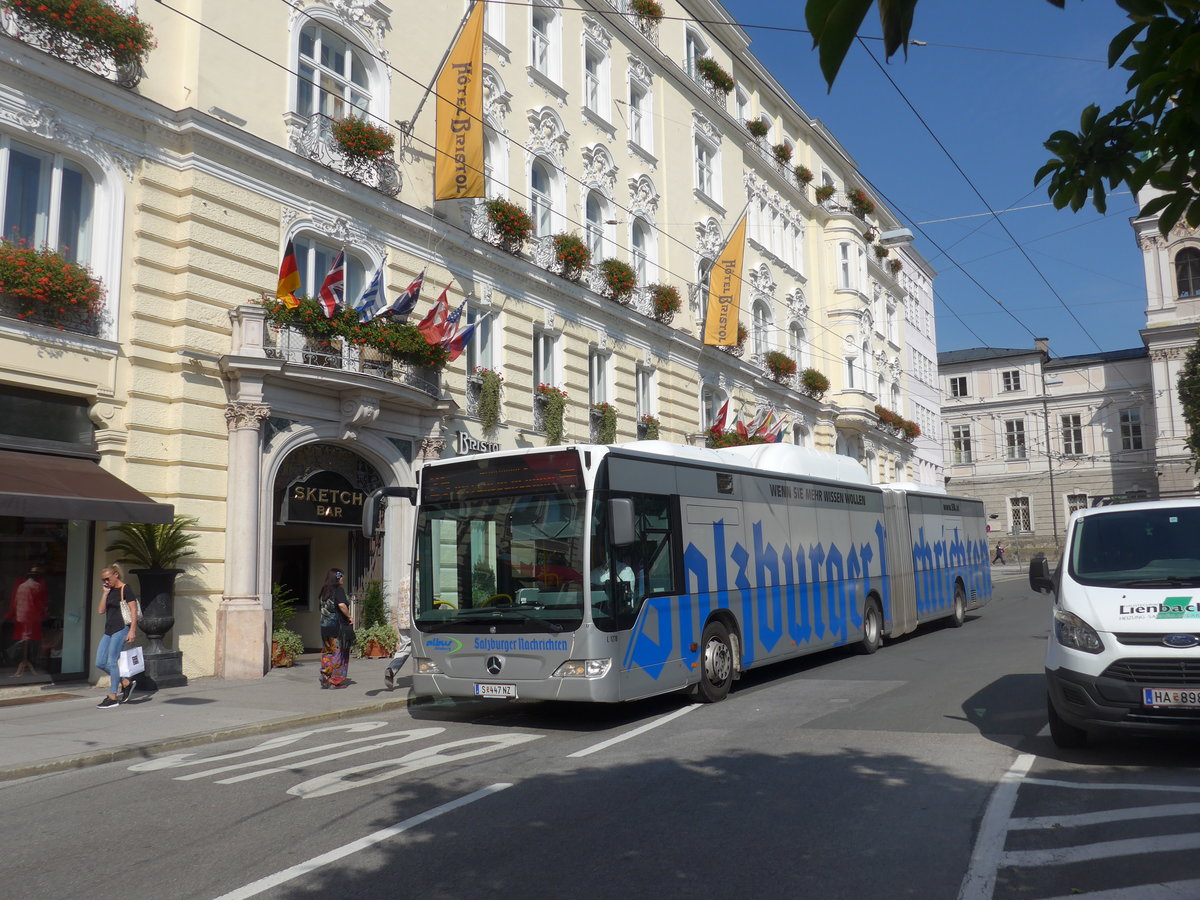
[648,428]
[782,153]
[359,140]
[813,383]
[650,10]
[823,193]
[714,75]
[571,254]
[780,366]
[758,128]
[665,302]
[604,422]
[92,30]
[512,224]
[44,288]
[803,175]
[620,280]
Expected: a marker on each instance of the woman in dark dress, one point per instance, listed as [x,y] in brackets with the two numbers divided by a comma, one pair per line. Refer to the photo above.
[335,618]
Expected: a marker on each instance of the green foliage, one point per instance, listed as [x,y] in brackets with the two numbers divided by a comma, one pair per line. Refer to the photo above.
[554,404]
[813,383]
[1189,399]
[620,280]
[803,174]
[288,645]
[145,546]
[360,140]
[650,427]
[373,611]
[43,286]
[757,127]
[283,606]
[665,300]
[512,224]
[713,73]
[393,339]
[715,440]
[96,26]
[382,633]
[646,9]
[489,398]
[780,365]
[782,153]
[572,254]
[606,431]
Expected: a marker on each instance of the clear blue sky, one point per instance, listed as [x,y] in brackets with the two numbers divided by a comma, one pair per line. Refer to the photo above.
[996,79]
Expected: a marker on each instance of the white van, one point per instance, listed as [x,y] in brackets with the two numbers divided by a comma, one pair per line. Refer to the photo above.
[1125,650]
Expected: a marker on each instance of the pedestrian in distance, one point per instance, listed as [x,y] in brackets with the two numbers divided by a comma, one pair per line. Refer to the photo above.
[335,622]
[999,557]
[27,610]
[119,606]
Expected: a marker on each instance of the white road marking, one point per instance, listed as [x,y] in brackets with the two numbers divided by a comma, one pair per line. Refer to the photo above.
[265,884]
[1168,890]
[347,779]
[377,742]
[179,760]
[980,880]
[1126,814]
[603,745]
[1056,856]
[1080,786]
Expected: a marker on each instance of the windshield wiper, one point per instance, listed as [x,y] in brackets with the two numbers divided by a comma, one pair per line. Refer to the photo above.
[1166,581]
[492,612]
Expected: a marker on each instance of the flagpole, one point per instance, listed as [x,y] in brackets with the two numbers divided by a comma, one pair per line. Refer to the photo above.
[409,125]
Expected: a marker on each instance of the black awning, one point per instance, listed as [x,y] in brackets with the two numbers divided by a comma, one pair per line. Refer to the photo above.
[38,486]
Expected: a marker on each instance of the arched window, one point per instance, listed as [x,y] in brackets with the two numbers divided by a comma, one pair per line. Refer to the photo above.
[895,397]
[333,76]
[800,436]
[711,400]
[495,164]
[1187,272]
[594,226]
[540,194]
[47,201]
[642,251]
[313,259]
[762,327]
[545,41]
[865,361]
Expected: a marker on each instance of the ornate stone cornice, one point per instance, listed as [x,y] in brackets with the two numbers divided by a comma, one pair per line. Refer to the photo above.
[709,238]
[357,410]
[371,16]
[547,135]
[639,71]
[643,198]
[705,127]
[593,30]
[599,170]
[46,122]
[497,102]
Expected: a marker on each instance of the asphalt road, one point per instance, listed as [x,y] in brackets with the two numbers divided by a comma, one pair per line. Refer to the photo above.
[916,772]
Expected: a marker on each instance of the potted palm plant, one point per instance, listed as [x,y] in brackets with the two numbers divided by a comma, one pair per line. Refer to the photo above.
[378,637]
[286,645]
[153,553]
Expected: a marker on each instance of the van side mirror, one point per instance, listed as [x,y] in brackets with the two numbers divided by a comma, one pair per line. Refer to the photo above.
[1039,575]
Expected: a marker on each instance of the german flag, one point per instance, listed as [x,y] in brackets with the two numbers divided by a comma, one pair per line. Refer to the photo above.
[289,278]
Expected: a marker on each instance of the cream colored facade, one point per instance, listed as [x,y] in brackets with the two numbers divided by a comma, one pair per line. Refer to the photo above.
[203,171]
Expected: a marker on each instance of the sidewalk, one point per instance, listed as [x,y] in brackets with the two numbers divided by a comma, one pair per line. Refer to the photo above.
[59,727]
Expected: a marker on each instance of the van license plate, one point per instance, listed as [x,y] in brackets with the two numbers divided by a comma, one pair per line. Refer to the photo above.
[1170,697]
[503,691]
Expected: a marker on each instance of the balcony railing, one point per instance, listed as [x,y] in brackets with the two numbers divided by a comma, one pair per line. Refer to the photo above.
[293,346]
[71,48]
[316,141]
[74,319]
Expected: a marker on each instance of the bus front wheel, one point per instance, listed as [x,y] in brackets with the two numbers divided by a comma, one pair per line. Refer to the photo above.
[716,664]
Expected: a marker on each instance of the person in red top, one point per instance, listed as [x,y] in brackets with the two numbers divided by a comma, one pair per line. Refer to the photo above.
[28,609]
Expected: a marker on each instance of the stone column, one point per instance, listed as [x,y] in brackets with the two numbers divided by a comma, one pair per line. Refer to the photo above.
[243,646]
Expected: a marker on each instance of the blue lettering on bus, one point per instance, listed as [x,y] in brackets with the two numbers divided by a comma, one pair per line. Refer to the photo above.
[814,592]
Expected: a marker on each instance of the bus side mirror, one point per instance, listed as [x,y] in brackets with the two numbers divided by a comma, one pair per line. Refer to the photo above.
[620,522]
[374,503]
[1039,575]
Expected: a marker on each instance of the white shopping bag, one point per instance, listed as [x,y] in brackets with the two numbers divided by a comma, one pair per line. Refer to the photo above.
[131,662]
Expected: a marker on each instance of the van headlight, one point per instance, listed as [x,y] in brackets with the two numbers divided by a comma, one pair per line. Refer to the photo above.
[583,668]
[1071,631]
[425,666]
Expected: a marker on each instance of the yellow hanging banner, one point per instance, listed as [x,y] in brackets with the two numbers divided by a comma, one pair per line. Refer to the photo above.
[725,291]
[458,168]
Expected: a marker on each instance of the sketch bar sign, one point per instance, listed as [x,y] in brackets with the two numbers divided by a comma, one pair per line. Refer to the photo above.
[323,498]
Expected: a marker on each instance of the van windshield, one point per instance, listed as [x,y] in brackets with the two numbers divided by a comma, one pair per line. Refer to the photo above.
[1150,547]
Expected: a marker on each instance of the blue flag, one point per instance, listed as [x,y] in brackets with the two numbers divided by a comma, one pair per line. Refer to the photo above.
[407,301]
[372,302]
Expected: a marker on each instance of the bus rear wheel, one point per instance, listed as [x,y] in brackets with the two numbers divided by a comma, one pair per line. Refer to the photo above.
[872,627]
[716,664]
[958,611]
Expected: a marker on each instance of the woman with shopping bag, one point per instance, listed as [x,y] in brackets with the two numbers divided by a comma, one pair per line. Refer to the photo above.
[119,606]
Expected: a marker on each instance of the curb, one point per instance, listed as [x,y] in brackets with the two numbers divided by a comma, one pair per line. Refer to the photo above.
[101,757]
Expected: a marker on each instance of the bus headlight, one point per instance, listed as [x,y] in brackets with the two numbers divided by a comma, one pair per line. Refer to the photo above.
[583,668]
[426,666]
[1071,631]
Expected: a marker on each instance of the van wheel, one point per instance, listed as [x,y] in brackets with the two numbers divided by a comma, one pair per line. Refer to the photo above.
[1063,734]
[872,628]
[716,664]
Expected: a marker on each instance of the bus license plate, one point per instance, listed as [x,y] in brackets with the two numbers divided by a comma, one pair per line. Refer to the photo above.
[503,691]
[1170,697]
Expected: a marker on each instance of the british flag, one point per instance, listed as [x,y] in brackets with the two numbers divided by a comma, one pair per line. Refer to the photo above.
[333,288]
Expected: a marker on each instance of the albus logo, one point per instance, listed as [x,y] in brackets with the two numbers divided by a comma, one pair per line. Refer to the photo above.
[447,645]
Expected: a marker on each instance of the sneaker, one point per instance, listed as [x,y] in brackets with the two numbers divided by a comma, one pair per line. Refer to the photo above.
[127,691]
[389,678]
[108,703]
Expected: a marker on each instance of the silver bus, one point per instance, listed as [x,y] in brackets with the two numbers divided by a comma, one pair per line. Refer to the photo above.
[610,573]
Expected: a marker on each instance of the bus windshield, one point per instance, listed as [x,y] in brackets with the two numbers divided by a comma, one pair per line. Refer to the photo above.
[501,564]
[1153,547]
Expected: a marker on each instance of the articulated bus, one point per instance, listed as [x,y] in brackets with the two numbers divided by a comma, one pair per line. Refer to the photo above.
[610,573]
